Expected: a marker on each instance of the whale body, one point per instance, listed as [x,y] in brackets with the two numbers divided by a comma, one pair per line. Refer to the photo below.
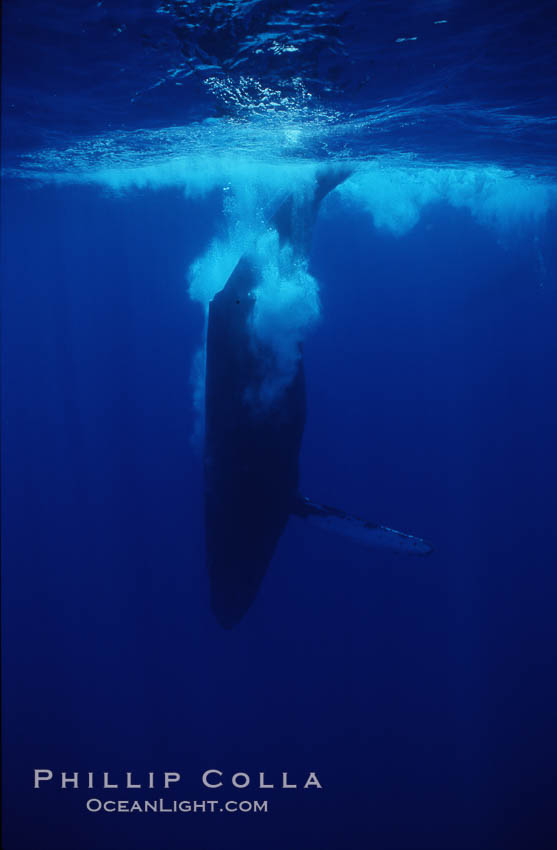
[251,451]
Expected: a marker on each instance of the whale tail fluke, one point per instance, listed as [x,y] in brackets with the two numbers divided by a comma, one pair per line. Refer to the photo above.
[368,533]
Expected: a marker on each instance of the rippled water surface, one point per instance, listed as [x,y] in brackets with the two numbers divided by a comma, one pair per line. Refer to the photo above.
[119,84]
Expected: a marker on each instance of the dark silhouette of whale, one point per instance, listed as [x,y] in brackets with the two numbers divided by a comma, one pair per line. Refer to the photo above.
[251,450]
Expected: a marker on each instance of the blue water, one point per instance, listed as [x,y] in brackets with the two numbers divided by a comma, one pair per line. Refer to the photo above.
[143,145]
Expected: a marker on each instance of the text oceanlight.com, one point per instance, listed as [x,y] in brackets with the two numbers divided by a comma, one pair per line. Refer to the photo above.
[177,806]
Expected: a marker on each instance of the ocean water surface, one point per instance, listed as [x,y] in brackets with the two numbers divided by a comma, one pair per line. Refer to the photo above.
[145,147]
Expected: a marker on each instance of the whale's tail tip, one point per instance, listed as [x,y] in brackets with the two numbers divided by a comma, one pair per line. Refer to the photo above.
[329,177]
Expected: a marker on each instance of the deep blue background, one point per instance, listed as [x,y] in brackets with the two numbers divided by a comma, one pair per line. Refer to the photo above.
[421,691]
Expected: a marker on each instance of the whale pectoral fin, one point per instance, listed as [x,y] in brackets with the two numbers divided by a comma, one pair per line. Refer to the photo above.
[368,533]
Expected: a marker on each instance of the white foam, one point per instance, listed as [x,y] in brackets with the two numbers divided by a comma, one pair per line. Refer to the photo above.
[394,193]
[250,196]
[286,295]
[286,308]
[395,196]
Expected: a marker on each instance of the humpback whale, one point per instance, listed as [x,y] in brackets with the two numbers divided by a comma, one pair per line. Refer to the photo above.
[251,449]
